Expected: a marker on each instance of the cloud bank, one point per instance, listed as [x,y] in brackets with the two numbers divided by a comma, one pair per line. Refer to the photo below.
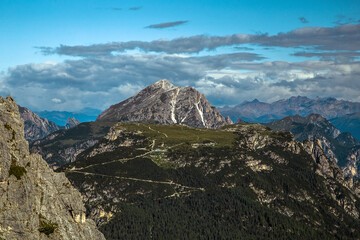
[225,79]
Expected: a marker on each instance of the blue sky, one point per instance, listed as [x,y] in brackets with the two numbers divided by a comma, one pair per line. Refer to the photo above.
[93,25]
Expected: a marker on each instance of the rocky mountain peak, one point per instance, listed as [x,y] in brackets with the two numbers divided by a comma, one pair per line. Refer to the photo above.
[164,84]
[163,103]
[314,117]
[71,122]
[35,202]
[35,126]
[228,120]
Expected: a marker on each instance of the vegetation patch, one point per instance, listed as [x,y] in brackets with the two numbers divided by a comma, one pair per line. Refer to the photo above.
[16,170]
[174,135]
[159,159]
[47,227]
[7,126]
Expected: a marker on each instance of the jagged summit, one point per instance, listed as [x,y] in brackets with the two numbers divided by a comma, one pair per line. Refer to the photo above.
[35,126]
[71,122]
[164,103]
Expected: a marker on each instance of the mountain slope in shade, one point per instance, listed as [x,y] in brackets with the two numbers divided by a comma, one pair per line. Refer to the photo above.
[64,145]
[342,147]
[348,123]
[256,111]
[35,126]
[163,103]
[35,202]
[146,181]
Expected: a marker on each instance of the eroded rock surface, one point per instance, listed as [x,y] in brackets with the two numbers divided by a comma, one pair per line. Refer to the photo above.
[35,202]
[163,103]
[35,126]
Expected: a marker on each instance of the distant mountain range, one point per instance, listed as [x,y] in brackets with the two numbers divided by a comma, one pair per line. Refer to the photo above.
[163,103]
[61,117]
[261,112]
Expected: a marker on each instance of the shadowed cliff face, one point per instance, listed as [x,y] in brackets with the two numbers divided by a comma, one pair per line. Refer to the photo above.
[35,202]
[163,103]
[348,123]
[342,147]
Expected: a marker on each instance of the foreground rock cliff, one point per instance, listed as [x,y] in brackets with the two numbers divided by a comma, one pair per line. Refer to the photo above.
[35,202]
[163,103]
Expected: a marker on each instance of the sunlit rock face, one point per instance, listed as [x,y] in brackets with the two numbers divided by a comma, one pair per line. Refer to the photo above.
[163,103]
[35,202]
[35,126]
[71,122]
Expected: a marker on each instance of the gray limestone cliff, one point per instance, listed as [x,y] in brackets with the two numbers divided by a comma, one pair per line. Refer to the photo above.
[36,127]
[71,122]
[35,202]
[163,103]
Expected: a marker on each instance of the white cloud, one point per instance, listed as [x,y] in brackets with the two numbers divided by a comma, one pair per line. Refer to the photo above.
[56,100]
[224,79]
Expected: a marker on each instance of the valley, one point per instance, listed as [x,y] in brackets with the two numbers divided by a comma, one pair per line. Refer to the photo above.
[144,173]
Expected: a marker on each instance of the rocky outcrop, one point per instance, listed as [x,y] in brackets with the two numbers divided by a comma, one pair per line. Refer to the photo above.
[326,166]
[35,202]
[239,121]
[163,103]
[343,148]
[71,122]
[328,169]
[257,137]
[228,120]
[36,127]
[352,166]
